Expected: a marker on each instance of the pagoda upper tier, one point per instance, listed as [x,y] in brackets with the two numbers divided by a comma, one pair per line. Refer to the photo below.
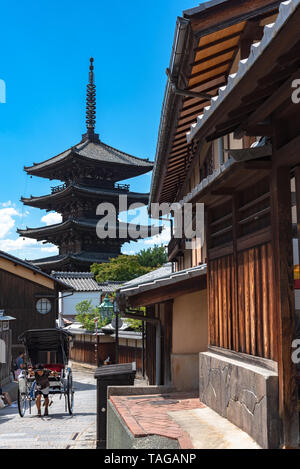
[82,200]
[91,161]
[87,226]
[90,172]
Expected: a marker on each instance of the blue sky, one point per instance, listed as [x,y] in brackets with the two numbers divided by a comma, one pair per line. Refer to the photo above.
[44,63]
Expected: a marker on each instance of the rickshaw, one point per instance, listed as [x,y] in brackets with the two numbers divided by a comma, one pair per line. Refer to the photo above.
[51,348]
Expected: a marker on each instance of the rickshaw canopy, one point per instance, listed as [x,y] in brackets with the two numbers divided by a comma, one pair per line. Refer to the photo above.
[50,340]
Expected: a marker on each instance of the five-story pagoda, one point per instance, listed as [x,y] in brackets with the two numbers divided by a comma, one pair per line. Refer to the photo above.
[90,172]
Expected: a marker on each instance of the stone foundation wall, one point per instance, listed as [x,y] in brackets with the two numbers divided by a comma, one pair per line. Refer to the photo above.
[244,390]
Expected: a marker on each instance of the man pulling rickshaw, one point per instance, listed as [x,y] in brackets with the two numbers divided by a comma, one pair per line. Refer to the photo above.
[42,385]
[52,378]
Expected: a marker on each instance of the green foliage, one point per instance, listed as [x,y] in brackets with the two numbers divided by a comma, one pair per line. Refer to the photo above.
[122,269]
[135,324]
[86,315]
[153,257]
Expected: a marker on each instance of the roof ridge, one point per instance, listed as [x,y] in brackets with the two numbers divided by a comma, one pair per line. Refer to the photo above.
[49,159]
[73,274]
[127,154]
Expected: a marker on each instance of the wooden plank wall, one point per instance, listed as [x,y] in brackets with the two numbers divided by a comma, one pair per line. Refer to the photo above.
[18,297]
[84,352]
[241,302]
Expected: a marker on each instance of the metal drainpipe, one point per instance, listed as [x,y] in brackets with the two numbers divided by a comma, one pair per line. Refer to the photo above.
[172,232]
[221,151]
[157,324]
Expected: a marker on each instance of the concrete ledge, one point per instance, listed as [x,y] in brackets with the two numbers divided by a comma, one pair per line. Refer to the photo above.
[245,358]
[243,390]
[119,436]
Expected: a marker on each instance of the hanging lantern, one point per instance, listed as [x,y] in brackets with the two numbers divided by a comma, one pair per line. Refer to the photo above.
[106,308]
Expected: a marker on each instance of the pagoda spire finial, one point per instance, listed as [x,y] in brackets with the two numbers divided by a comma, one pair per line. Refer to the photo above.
[91,106]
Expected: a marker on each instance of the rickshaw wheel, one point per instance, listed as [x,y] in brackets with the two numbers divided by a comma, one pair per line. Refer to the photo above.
[22,403]
[70,394]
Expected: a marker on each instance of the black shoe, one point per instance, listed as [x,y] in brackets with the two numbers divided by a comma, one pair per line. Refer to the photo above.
[46,413]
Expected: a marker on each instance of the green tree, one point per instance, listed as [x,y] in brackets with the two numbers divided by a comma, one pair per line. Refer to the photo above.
[153,257]
[136,324]
[86,314]
[122,269]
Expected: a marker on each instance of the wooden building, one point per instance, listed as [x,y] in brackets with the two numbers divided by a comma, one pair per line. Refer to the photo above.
[86,350]
[90,172]
[229,139]
[84,288]
[29,295]
[176,322]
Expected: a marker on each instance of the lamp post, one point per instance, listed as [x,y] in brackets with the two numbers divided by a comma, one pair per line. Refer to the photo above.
[97,343]
[106,311]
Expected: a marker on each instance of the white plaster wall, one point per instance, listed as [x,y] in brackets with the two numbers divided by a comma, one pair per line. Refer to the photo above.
[68,304]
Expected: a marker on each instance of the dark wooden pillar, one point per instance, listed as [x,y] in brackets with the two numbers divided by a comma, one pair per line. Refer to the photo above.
[150,347]
[284,300]
[167,346]
[297,188]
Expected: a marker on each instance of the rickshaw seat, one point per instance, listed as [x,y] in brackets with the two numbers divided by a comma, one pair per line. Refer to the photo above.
[54,367]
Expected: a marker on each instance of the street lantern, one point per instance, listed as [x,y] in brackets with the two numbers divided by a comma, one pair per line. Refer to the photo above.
[106,308]
[4,320]
[5,336]
[105,311]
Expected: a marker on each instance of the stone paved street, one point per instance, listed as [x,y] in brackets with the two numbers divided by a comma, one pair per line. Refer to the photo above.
[60,430]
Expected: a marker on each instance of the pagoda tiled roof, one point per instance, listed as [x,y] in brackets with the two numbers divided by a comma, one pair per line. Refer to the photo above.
[79,281]
[95,151]
[97,191]
[61,259]
[84,223]
[85,281]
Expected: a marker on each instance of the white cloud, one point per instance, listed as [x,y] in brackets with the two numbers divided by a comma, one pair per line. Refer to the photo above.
[162,238]
[52,218]
[25,247]
[6,204]
[7,221]
[17,244]
[52,249]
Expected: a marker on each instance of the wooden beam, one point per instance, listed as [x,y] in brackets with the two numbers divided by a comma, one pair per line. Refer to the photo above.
[284,301]
[224,191]
[238,13]
[208,80]
[264,111]
[257,165]
[214,56]
[261,130]
[218,41]
[288,154]
[168,292]
[207,70]
[211,89]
